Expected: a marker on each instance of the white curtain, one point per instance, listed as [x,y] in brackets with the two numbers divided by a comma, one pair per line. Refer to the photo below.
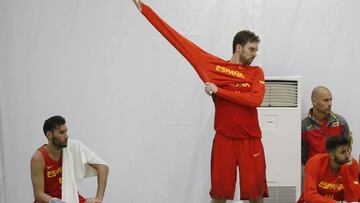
[2,185]
[2,177]
[132,98]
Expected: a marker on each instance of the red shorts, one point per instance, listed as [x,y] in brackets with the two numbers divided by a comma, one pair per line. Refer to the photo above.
[248,155]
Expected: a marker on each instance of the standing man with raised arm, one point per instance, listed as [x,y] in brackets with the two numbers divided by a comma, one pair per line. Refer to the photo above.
[237,89]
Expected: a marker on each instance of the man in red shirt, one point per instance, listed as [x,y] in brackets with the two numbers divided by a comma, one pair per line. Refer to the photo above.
[320,124]
[46,166]
[332,177]
[237,89]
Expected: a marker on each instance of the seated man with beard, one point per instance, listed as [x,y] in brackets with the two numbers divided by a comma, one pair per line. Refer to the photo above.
[58,166]
[332,177]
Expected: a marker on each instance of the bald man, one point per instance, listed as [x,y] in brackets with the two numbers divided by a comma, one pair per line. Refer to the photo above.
[320,124]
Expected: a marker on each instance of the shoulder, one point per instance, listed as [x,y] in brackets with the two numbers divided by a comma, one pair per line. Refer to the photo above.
[38,154]
[258,73]
[340,118]
[305,121]
[258,69]
[37,159]
[306,124]
[317,159]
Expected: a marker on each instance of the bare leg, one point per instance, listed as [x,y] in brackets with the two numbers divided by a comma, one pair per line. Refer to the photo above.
[218,200]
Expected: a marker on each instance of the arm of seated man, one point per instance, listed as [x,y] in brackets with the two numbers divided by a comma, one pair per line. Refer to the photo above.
[102,173]
[37,166]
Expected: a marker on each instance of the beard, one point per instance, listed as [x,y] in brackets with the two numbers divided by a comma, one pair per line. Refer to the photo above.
[246,61]
[341,161]
[59,144]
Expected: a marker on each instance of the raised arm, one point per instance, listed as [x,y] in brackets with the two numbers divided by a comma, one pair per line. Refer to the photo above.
[37,166]
[198,58]
[102,173]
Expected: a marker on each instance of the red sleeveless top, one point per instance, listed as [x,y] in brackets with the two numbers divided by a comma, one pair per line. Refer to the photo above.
[53,175]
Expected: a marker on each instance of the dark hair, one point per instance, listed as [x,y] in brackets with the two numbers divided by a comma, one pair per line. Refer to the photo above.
[52,123]
[334,142]
[244,37]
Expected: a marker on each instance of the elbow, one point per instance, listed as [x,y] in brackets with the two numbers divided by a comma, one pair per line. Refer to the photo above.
[37,196]
[107,169]
[256,103]
[104,169]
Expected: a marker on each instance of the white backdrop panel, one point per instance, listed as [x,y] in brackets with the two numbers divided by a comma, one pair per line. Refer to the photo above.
[133,99]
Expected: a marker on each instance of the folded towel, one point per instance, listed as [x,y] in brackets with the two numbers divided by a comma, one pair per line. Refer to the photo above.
[75,159]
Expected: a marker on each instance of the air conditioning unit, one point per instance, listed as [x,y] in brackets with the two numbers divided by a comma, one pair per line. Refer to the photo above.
[280,122]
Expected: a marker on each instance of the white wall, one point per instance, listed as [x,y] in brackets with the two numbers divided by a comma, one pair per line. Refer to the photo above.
[133,99]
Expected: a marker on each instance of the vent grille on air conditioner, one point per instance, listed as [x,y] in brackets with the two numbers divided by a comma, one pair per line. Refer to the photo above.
[281,93]
[281,194]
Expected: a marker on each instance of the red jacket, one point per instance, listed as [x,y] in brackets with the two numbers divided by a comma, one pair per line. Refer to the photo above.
[314,136]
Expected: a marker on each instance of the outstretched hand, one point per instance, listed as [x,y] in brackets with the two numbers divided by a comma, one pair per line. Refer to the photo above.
[137,4]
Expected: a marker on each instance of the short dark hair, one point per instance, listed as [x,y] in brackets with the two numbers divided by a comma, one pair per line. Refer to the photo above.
[334,142]
[52,123]
[244,37]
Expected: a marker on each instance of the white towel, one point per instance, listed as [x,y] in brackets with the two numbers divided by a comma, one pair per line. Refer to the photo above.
[75,159]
